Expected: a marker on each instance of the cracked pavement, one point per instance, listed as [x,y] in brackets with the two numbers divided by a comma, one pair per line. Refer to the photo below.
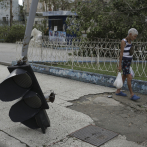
[64,120]
[128,120]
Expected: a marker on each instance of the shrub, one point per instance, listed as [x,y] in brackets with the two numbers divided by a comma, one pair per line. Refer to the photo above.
[3,33]
[16,32]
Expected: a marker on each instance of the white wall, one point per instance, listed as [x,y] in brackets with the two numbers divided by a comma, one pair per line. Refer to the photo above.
[27,5]
[5,9]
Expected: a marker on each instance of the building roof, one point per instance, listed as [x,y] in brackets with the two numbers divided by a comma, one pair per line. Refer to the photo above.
[59,13]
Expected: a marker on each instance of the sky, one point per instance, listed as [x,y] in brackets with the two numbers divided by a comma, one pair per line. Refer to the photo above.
[20,2]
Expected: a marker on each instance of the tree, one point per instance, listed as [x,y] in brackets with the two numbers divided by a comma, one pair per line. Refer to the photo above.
[21,13]
[90,16]
[112,20]
[133,13]
[56,4]
[65,4]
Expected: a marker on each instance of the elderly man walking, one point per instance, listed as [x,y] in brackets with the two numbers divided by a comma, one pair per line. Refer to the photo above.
[125,62]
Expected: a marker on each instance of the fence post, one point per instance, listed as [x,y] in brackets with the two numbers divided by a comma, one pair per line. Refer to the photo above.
[72,54]
[41,49]
[98,57]
[52,47]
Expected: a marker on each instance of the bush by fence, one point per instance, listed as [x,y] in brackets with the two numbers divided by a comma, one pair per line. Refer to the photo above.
[16,32]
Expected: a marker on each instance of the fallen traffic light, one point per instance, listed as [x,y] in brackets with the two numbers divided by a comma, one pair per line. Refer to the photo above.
[30,110]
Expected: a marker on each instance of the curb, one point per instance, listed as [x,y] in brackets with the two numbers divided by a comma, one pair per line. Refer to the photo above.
[5,63]
[87,77]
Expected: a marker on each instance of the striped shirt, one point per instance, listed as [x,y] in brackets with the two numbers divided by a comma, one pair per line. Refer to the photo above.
[126,53]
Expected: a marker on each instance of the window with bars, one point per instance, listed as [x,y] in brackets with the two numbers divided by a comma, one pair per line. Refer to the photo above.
[4,19]
[58,23]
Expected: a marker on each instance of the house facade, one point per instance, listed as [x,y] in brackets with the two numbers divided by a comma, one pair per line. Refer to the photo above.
[5,11]
[27,6]
[40,9]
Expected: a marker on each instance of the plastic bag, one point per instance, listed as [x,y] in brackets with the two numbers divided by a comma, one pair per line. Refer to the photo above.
[132,72]
[37,35]
[118,83]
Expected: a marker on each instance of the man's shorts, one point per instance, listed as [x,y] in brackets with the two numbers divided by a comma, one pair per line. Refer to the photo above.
[126,66]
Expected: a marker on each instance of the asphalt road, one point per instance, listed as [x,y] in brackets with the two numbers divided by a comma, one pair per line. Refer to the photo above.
[7,52]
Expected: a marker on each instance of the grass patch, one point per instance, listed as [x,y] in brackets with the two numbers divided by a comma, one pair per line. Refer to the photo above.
[102,68]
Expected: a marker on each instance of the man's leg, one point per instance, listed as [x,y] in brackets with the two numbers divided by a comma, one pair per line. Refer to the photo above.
[123,78]
[129,79]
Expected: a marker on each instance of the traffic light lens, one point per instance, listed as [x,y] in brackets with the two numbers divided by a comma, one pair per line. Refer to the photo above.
[23,80]
[33,102]
[30,110]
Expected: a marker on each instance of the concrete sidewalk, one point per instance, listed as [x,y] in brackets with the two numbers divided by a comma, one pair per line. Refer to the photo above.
[63,120]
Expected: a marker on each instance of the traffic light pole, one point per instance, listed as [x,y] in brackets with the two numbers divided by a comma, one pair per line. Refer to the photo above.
[28,31]
[22,84]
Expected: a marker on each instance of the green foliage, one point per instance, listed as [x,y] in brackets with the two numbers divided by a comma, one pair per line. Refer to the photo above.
[3,33]
[90,18]
[111,20]
[133,14]
[46,32]
[42,26]
[16,32]
[21,13]
[63,4]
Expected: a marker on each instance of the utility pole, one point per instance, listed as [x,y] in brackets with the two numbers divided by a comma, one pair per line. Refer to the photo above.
[28,31]
[11,15]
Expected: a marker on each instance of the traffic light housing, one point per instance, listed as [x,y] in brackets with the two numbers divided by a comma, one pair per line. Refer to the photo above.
[30,109]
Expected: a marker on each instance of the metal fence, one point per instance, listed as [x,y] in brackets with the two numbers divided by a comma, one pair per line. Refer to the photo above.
[94,55]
